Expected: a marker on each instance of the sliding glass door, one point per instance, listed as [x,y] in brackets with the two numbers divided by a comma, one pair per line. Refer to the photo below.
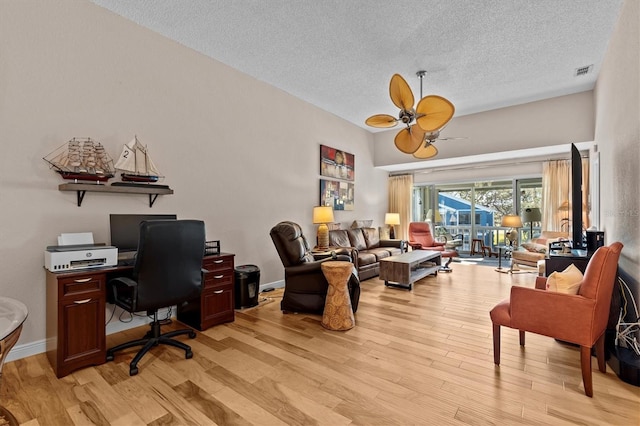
[475,210]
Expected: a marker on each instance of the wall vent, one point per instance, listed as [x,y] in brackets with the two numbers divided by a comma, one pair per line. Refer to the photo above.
[583,70]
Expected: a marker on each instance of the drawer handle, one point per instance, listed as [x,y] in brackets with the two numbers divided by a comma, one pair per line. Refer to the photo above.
[218,292]
[218,261]
[84,280]
[80,302]
[218,276]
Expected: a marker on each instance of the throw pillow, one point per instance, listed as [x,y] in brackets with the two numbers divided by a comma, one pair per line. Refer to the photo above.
[567,281]
[534,247]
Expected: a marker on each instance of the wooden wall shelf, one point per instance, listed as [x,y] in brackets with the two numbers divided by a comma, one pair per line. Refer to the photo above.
[82,188]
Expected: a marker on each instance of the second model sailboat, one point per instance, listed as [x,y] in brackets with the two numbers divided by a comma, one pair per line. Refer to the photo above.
[135,163]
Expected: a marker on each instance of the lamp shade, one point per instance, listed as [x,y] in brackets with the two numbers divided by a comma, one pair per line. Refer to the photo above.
[392,218]
[511,221]
[322,214]
[532,214]
[564,207]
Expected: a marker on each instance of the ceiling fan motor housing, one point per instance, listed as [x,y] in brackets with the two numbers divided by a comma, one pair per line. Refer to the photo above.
[407,116]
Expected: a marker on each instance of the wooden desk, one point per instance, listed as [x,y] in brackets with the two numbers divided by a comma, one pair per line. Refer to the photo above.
[76,302]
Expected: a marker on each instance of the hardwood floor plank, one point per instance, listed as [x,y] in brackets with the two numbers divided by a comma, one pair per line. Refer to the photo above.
[414,357]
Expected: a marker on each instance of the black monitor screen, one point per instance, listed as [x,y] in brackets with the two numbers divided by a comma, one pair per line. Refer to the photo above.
[125,228]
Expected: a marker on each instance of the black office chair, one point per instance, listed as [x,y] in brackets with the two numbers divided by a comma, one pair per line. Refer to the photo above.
[167,272]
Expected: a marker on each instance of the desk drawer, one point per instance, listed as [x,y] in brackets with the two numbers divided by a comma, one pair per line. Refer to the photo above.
[218,263]
[218,279]
[81,286]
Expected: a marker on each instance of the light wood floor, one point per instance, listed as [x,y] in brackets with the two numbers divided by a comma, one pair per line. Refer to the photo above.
[415,357]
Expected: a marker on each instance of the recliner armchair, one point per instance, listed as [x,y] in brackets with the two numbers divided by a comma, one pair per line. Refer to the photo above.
[167,272]
[421,238]
[305,285]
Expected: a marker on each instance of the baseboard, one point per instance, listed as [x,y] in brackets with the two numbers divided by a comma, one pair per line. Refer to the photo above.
[114,326]
[275,284]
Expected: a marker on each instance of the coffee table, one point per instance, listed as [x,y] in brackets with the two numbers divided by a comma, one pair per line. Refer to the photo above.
[404,269]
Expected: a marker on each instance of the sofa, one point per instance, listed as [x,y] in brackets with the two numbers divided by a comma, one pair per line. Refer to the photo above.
[529,253]
[367,247]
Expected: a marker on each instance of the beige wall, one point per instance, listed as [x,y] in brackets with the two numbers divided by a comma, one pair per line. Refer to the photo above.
[617,135]
[239,154]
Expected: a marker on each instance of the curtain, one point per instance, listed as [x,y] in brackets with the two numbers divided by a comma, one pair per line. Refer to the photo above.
[556,190]
[400,192]
[556,177]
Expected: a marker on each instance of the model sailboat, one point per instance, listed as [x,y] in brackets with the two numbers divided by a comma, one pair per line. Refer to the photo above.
[82,159]
[135,163]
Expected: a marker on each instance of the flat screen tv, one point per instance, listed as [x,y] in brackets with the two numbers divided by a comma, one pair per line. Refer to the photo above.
[125,229]
[576,198]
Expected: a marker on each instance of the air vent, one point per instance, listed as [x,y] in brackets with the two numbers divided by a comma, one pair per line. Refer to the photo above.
[583,70]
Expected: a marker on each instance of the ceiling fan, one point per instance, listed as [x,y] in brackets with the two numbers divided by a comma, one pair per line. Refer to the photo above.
[423,123]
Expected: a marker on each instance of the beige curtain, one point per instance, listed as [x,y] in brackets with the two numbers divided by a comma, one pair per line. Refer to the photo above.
[556,190]
[556,176]
[400,191]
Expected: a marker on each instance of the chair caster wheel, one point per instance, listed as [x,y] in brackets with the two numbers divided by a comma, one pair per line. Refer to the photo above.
[133,371]
[110,357]
[192,335]
[188,355]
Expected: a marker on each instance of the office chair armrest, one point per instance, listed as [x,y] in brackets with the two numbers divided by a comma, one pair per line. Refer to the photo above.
[123,290]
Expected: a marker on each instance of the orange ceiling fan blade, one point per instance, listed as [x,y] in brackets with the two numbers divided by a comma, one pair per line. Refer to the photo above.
[381,120]
[400,92]
[425,152]
[434,112]
[417,133]
[405,142]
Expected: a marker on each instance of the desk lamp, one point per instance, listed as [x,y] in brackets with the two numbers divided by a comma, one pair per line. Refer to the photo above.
[392,219]
[514,222]
[321,216]
[531,215]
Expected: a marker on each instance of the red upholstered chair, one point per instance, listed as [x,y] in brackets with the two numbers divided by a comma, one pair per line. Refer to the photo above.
[575,318]
[421,238]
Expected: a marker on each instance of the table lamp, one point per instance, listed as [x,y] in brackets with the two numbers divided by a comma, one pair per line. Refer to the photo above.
[392,219]
[531,214]
[514,222]
[321,216]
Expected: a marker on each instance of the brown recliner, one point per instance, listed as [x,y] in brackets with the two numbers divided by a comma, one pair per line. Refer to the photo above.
[305,286]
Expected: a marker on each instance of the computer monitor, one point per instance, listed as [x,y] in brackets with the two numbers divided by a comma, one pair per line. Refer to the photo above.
[125,229]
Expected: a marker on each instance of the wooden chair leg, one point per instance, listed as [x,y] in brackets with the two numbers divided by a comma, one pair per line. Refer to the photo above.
[496,344]
[585,365]
[521,338]
[602,365]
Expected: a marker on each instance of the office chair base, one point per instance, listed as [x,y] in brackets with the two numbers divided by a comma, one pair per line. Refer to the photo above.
[151,339]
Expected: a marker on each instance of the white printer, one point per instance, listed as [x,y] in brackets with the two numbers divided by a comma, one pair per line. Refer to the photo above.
[78,251]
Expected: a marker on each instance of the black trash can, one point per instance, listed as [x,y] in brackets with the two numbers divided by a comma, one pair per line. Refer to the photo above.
[247,286]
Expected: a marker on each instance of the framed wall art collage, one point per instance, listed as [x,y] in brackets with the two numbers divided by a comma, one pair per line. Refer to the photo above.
[339,169]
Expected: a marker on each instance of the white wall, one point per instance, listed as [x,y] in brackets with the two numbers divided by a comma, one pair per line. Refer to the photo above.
[239,154]
[617,136]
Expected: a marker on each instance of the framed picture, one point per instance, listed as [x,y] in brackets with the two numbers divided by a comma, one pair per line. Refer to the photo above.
[337,164]
[339,195]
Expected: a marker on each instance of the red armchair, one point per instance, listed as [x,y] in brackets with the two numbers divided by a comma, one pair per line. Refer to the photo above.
[421,238]
[580,319]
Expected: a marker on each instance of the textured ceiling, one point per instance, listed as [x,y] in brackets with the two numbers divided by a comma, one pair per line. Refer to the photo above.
[340,54]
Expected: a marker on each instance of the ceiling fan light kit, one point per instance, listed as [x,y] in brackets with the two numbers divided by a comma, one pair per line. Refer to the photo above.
[423,123]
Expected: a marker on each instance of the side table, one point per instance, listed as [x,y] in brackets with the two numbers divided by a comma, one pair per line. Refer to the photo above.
[12,316]
[338,314]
